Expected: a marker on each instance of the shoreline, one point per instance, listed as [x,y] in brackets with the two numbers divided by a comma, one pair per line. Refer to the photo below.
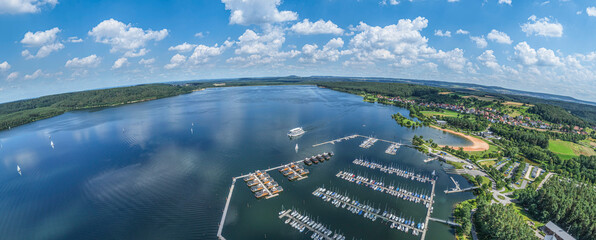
[477,144]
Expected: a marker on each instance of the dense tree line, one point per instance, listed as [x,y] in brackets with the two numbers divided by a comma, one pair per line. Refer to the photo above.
[16,113]
[467,123]
[582,168]
[386,89]
[521,135]
[496,221]
[569,204]
[556,114]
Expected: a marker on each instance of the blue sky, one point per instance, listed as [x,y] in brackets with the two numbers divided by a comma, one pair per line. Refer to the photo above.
[52,46]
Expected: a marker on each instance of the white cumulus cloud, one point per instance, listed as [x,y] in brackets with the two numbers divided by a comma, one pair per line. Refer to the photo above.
[505,2]
[25,6]
[120,62]
[330,52]
[124,37]
[185,47]
[319,27]
[480,41]
[542,27]
[499,37]
[12,76]
[89,61]
[246,12]
[440,33]
[147,61]
[390,2]
[591,11]
[37,74]
[526,55]
[46,41]
[462,32]
[4,66]
[175,61]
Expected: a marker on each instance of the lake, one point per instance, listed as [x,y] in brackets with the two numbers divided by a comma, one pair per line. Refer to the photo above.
[162,169]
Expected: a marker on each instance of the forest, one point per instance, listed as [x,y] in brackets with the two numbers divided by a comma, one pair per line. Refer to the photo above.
[496,221]
[569,204]
[556,114]
[17,113]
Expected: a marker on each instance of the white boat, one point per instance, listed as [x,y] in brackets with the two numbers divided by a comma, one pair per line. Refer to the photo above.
[19,170]
[296,148]
[52,144]
[296,132]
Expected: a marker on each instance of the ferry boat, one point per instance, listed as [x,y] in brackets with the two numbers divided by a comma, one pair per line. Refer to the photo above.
[296,132]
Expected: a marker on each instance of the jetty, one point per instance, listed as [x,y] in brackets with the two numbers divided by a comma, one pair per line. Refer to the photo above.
[394,171]
[458,188]
[334,141]
[428,211]
[450,223]
[367,211]
[461,190]
[302,222]
[391,190]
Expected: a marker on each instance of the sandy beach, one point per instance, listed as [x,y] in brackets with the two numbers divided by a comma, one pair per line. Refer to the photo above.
[478,145]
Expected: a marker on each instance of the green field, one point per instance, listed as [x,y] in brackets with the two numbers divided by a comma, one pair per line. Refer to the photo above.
[568,150]
[445,113]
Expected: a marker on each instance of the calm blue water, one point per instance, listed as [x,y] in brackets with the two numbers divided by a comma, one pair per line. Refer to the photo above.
[162,169]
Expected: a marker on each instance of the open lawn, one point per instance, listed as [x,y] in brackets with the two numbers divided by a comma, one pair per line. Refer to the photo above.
[445,113]
[568,150]
[488,163]
[526,217]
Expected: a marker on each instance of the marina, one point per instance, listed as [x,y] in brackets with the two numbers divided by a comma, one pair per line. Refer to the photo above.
[369,212]
[392,149]
[302,222]
[391,190]
[392,170]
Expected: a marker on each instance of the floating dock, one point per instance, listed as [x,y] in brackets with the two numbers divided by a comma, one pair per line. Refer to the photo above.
[294,172]
[302,222]
[392,149]
[368,211]
[391,190]
[368,143]
[394,171]
[263,185]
